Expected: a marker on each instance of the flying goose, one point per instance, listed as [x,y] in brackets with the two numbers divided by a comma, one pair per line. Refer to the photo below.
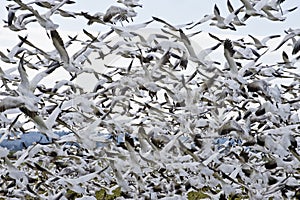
[277,16]
[11,102]
[130,3]
[246,53]
[204,19]
[13,52]
[278,3]
[44,20]
[205,52]
[60,46]
[25,92]
[17,23]
[291,33]
[224,23]
[287,63]
[128,31]
[228,53]
[49,4]
[114,13]
[96,18]
[253,10]
[296,47]
[11,14]
[262,43]
[236,20]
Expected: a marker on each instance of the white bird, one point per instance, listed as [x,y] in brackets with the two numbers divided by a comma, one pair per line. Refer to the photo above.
[224,23]
[24,90]
[236,20]
[41,75]
[24,85]
[11,102]
[296,47]
[262,43]
[258,85]
[287,63]
[291,33]
[228,53]
[52,3]
[17,23]
[253,10]
[115,13]
[61,83]
[44,19]
[130,3]
[60,46]
[277,16]
[274,5]
[97,17]
[5,58]
[246,53]
[11,14]
[39,122]
[205,52]
[204,19]
[13,52]
[29,102]
[128,31]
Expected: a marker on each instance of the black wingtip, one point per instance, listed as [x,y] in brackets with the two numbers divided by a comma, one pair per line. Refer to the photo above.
[54,34]
[217,9]
[296,48]
[228,46]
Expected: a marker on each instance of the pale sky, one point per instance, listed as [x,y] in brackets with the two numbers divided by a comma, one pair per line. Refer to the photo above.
[173,11]
[177,12]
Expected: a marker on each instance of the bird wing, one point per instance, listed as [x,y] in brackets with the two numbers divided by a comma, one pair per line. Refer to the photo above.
[296,48]
[285,39]
[228,53]
[59,45]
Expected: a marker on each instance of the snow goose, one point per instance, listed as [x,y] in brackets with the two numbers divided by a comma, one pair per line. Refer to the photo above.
[224,23]
[291,33]
[13,52]
[262,43]
[204,19]
[228,53]
[115,13]
[59,45]
[253,10]
[44,20]
[236,20]
[277,16]
[17,23]
[287,63]
[25,93]
[296,47]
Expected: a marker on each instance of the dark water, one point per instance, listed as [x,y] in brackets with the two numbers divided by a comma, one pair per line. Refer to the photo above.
[27,139]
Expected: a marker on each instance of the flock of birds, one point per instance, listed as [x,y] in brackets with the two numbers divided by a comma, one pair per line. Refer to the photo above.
[149,127]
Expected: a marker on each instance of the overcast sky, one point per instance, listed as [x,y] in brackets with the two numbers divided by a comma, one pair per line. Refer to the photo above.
[173,11]
[178,11]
